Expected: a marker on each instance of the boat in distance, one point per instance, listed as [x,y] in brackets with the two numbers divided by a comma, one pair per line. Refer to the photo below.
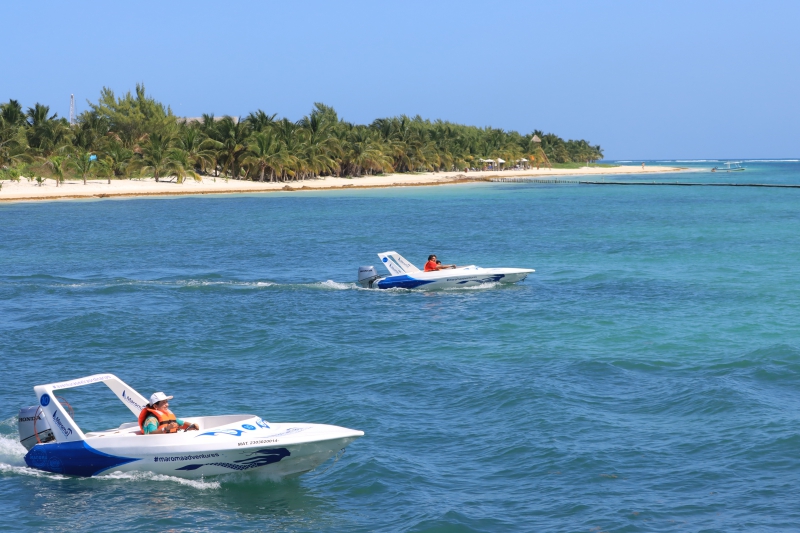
[404,275]
[222,445]
[730,166]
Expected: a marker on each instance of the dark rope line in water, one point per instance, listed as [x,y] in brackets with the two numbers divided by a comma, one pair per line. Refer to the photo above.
[690,184]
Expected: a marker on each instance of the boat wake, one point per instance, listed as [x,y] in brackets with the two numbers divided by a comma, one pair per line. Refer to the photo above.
[199,484]
[49,282]
[12,457]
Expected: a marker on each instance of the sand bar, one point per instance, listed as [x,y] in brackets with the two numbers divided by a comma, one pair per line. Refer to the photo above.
[25,190]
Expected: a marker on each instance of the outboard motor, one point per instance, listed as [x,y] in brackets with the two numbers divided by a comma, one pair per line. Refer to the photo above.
[32,423]
[366,276]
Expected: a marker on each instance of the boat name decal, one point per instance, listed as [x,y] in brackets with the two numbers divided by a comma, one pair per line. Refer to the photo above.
[158,459]
[79,382]
[65,430]
[289,431]
[255,459]
[234,432]
[490,279]
[131,401]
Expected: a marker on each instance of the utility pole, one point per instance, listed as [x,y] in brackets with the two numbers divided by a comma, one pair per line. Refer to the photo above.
[71,109]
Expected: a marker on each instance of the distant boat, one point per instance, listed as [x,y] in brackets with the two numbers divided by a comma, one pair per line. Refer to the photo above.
[731,166]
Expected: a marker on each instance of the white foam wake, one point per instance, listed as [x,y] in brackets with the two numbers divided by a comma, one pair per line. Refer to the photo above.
[12,459]
[200,484]
[335,285]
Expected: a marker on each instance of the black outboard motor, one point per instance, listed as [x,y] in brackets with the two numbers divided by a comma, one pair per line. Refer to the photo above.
[367,275]
[33,424]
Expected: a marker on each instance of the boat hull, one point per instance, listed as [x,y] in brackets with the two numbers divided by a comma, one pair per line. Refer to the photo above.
[452,279]
[248,445]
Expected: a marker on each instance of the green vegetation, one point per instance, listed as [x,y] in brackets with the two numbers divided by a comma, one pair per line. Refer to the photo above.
[134,136]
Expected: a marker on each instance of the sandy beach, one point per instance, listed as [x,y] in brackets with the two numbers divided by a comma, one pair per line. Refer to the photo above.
[25,190]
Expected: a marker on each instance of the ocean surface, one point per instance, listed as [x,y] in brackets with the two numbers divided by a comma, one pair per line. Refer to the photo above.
[645,378]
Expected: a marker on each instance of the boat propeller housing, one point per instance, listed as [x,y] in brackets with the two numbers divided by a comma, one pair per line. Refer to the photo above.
[366,275]
[33,427]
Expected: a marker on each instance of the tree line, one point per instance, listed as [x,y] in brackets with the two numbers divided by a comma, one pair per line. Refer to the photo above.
[136,136]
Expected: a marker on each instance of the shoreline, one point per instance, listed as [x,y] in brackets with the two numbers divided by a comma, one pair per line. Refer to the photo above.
[24,190]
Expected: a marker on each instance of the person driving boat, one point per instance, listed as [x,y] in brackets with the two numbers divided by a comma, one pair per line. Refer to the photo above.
[433,264]
[156,417]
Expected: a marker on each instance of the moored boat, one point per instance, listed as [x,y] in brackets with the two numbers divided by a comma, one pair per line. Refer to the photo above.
[730,166]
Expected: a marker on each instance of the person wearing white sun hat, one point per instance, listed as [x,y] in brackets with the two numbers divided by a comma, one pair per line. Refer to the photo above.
[156,417]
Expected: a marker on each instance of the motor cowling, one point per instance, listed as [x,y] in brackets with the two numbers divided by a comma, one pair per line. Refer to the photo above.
[366,275]
[32,423]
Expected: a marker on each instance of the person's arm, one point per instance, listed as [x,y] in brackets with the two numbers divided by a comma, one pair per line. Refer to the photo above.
[186,426]
[151,427]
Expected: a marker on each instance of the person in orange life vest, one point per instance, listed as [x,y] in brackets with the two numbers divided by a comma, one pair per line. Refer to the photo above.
[156,417]
[433,264]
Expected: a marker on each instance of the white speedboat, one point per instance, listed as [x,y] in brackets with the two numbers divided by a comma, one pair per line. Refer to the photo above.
[404,275]
[223,444]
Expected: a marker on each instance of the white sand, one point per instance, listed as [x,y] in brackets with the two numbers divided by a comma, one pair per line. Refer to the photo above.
[74,189]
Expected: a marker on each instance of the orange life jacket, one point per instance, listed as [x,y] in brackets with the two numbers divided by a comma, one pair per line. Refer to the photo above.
[164,416]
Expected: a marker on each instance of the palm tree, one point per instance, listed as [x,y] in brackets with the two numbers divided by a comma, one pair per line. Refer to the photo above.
[199,149]
[260,121]
[57,165]
[117,158]
[46,133]
[84,165]
[154,154]
[181,167]
[232,136]
[265,151]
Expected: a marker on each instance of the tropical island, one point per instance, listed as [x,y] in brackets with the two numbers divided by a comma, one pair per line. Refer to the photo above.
[136,138]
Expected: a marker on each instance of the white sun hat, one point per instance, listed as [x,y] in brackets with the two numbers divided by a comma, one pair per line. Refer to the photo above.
[159,397]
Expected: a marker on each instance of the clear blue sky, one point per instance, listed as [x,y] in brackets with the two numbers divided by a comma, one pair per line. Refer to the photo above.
[651,80]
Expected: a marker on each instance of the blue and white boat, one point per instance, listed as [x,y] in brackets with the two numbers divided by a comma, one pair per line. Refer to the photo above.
[404,275]
[223,444]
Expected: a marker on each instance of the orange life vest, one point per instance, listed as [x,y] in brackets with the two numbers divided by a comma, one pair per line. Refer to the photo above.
[164,416]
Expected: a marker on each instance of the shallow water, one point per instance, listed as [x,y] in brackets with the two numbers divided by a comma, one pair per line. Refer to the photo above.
[645,378]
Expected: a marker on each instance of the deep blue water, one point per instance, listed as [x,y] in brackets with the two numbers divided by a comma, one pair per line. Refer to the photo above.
[645,378]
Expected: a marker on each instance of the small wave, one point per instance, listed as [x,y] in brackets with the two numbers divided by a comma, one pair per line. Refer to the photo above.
[11,451]
[180,283]
[481,287]
[25,471]
[205,283]
[200,484]
[12,459]
[335,285]
[771,160]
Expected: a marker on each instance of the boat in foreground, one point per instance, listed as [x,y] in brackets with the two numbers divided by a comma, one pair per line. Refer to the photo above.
[404,275]
[223,444]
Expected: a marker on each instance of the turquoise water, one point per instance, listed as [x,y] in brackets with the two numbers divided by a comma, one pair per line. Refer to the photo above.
[645,378]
